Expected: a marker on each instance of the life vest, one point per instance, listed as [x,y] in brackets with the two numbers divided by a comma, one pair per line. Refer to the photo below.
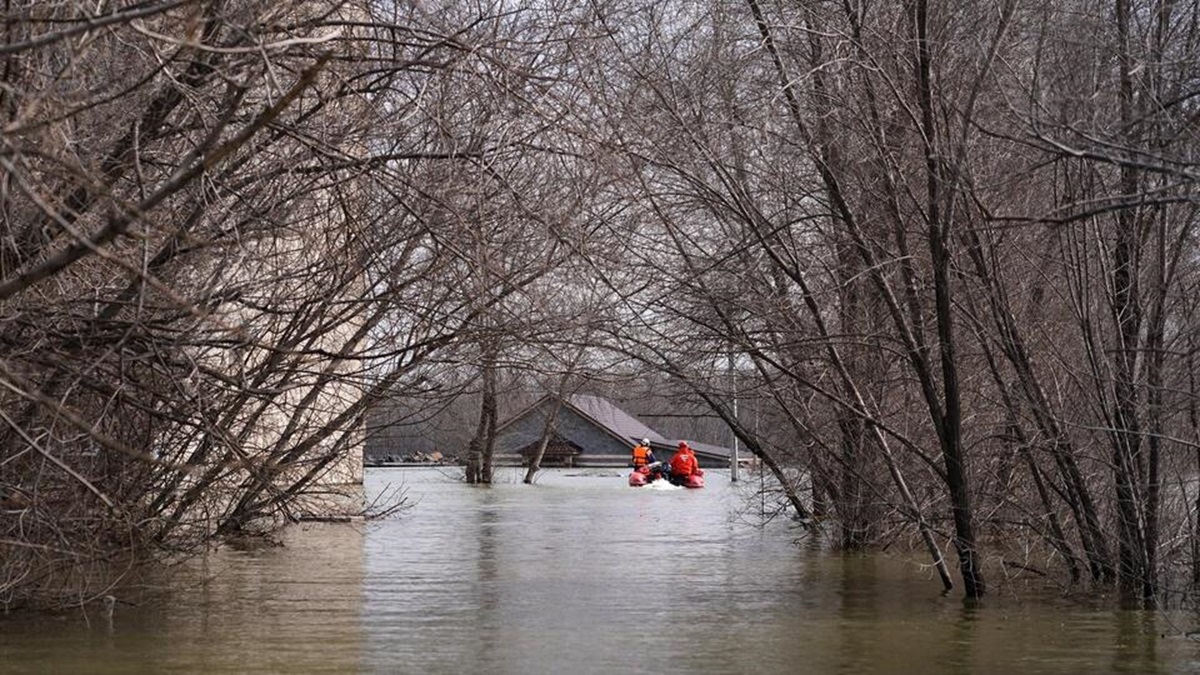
[641,455]
[683,463]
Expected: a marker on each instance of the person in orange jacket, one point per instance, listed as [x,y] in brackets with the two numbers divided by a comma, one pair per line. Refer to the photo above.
[642,454]
[684,464]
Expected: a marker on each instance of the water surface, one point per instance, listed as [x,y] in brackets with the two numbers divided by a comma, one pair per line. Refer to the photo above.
[582,574]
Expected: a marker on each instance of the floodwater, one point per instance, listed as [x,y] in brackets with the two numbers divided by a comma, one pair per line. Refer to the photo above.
[582,574]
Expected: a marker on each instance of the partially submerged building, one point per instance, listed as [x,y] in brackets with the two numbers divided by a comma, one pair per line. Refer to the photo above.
[587,431]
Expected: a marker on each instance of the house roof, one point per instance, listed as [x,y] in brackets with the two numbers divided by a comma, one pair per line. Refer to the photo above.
[618,422]
[710,449]
[606,415]
[556,447]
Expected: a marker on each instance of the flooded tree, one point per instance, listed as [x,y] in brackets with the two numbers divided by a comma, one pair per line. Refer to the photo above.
[831,184]
[216,253]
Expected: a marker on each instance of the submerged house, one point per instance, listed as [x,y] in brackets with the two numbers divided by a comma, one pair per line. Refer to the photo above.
[587,431]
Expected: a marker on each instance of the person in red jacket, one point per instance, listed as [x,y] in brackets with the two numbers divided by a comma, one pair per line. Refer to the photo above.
[684,464]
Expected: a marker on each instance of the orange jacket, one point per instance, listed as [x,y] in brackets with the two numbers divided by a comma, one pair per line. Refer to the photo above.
[684,463]
[642,455]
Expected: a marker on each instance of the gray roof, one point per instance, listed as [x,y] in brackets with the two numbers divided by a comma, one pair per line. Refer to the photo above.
[616,421]
[620,423]
[606,415]
[714,450]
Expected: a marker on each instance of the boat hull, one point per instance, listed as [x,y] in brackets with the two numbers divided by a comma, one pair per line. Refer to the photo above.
[643,476]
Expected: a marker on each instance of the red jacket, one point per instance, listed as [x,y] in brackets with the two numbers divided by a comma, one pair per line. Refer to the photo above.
[684,463]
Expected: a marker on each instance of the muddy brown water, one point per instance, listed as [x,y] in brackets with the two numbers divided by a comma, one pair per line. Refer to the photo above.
[582,574]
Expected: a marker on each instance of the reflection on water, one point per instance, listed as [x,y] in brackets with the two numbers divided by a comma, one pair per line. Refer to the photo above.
[296,607]
[582,574]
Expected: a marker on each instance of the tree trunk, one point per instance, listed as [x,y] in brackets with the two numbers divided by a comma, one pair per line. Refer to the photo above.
[488,413]
[858,525]
[950,424]
[1012,343]
[535,462]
